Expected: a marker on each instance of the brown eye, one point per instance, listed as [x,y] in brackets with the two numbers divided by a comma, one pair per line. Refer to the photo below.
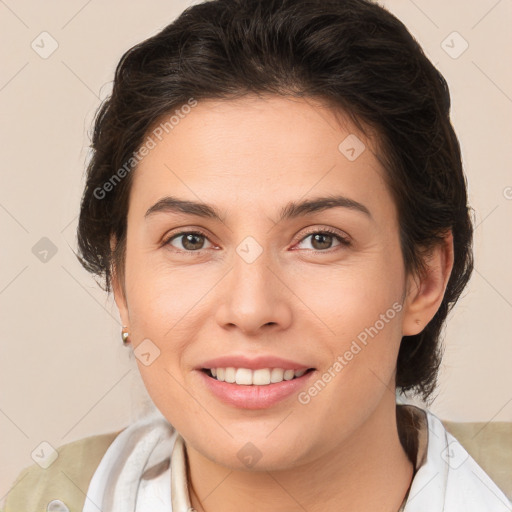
[190,241]
[324,240]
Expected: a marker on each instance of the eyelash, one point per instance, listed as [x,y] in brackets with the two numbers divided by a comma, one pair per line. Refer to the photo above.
[344,241]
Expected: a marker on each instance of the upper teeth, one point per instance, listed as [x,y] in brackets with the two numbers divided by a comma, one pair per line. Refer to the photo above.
[260,377]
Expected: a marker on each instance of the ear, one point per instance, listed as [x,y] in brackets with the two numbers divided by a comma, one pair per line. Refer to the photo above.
[425,292]
[118,289]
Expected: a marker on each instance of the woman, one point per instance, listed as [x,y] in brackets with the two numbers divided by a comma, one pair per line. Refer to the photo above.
[277,201]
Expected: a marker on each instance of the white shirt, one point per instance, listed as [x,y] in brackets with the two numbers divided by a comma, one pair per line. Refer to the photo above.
[144,469]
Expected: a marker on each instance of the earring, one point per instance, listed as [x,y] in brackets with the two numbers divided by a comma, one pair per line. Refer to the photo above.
[124,336]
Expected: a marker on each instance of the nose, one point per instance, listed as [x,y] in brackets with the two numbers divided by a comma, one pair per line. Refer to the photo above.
[254,298]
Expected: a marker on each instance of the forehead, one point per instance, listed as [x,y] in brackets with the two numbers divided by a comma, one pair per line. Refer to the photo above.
[258,150]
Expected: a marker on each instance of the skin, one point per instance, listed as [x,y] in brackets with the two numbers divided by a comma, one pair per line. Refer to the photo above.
[249,158]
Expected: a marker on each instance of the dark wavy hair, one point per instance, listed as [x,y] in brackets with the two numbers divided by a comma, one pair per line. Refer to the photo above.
[352,53]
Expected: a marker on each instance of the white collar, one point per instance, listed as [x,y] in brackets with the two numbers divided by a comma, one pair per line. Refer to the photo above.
[145,469]
[450,480]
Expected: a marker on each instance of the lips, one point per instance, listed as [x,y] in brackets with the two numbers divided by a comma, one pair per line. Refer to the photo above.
[253,383]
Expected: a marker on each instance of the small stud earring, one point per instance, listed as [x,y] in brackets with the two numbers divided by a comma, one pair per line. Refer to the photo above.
[124,336]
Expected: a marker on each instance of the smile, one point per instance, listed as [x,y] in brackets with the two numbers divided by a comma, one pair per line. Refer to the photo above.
[261,388]
[259,377]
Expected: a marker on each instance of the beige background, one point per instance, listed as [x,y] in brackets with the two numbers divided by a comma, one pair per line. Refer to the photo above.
[64,374]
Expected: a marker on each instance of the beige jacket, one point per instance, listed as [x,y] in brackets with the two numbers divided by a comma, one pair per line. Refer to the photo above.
[68,478]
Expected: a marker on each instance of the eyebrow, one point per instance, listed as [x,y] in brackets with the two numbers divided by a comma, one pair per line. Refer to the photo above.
[291,210]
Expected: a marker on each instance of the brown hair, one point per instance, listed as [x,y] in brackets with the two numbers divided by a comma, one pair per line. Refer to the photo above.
[352,53]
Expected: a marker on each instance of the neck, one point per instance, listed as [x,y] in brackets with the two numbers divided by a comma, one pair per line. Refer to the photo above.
[368,471]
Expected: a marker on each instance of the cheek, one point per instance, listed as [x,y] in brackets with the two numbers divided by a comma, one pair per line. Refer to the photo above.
[161,297]
[351,297]
[360,372]
[360,308]
[169,393]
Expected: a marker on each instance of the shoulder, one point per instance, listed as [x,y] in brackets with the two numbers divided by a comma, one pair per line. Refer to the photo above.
[489,444]
[456,479]
[66,479]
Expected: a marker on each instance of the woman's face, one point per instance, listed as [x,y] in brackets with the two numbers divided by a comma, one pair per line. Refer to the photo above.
[280,280]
